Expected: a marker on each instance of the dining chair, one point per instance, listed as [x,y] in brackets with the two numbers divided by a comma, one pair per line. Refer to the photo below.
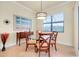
[43,45]
[54,39]
[29,41]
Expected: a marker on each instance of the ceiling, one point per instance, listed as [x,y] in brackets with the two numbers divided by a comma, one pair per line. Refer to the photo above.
[36,5]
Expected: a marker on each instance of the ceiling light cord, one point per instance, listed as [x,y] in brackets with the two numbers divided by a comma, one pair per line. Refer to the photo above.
[41,5]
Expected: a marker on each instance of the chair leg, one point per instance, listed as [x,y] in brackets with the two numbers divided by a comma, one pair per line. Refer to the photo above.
[19,42]
[49,53]
[52,45]
[16,41]
[26,46]
[39,53]
[55,47]
[46,51]
[36,50]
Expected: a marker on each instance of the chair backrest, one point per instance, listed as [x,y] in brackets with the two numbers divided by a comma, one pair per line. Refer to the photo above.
[54,35]
[45,43]
[45,40]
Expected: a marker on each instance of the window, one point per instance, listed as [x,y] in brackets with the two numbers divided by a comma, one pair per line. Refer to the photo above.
[46,27]
[54,23]
[22,23]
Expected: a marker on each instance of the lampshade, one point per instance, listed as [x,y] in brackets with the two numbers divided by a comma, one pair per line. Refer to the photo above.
[41,15]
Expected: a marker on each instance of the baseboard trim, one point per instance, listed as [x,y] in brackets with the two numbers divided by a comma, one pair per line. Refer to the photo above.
[65,44]
[12,44]
[9,45]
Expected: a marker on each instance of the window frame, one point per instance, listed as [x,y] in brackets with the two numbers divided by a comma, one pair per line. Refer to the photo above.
[15,25]
[55,23]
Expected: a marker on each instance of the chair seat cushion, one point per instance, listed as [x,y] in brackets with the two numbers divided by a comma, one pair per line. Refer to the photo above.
[44,46]
[32,41]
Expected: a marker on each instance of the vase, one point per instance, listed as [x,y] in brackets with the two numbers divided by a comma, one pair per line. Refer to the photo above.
[4,37]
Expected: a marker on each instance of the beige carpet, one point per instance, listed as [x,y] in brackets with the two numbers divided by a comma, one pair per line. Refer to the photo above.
[19,51]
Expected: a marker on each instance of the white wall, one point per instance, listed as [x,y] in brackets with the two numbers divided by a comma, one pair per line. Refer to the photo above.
[68,35]
[76,22]
[7,10]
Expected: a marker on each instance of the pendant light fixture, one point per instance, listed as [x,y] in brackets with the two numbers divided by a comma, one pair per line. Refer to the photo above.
[41,14]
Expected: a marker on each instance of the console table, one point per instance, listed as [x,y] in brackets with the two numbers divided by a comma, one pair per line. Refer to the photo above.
[21,35]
